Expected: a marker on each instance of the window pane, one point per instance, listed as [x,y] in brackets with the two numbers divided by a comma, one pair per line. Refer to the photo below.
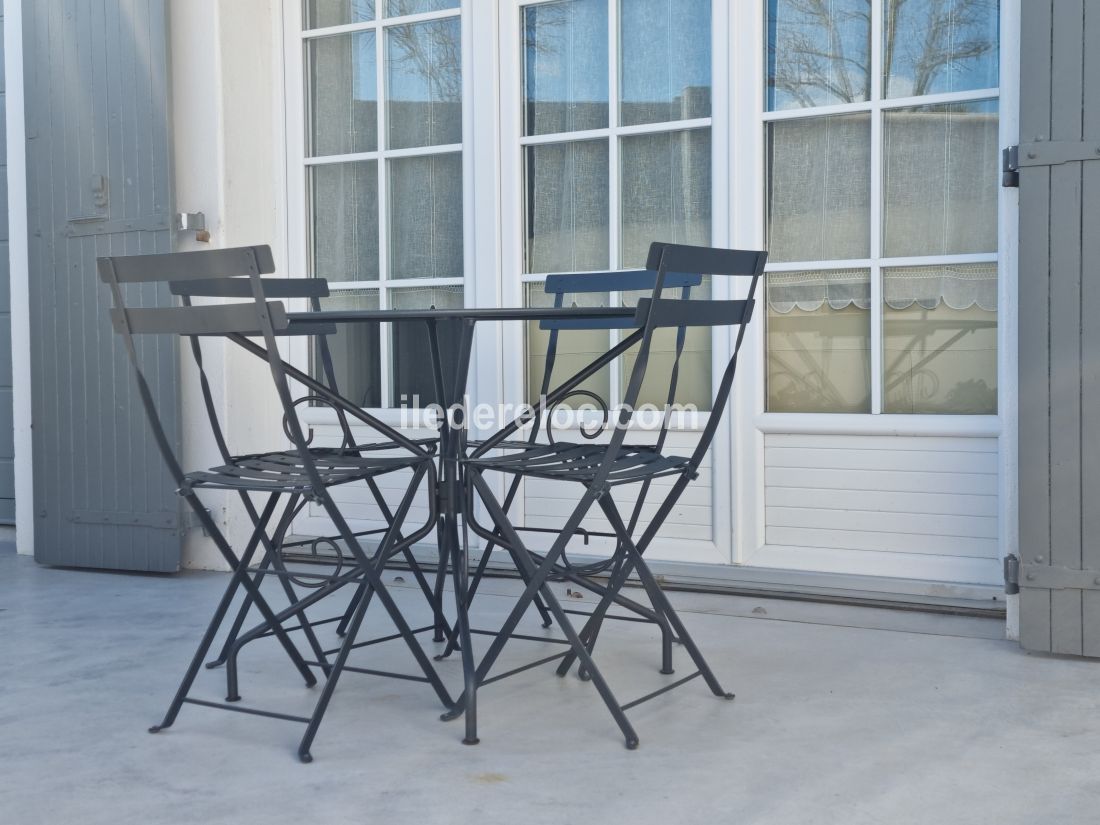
[354,350]
[819,188]
[565,66]
[424,83]
[426,216]
[942,46]
[665,62]
[693,385]
[819,52]
[343,99]
[320,13]
[941,176]
[567,207]
[344,208]
[397,8]
[665,191]
[413,377]
[940,339]
[576,348]
[819,341]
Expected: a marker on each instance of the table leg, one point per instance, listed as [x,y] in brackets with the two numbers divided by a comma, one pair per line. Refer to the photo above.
[451,444]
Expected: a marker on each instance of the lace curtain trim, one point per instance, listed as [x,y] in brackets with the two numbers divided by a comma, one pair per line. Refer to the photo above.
[959,287]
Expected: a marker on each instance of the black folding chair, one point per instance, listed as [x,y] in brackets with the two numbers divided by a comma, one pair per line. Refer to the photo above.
[300,473]
[563,286]
[307,549]
[601,468]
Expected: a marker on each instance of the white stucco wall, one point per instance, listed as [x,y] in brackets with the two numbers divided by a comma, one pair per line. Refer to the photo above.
[19,267]
[227,109]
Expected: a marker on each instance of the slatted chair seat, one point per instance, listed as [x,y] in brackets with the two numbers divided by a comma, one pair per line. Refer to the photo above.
[571,461]
[285,472]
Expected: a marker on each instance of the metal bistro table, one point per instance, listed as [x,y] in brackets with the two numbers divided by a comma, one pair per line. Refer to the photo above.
[452,438]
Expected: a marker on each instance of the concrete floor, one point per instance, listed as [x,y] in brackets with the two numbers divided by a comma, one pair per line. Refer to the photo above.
[843,715]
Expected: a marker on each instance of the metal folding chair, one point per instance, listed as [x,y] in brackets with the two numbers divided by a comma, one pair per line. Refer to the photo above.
[300,473]
[306,549]
[563,286]
[602,468]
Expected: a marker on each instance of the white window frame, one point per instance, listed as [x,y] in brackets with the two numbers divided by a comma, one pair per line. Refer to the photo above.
[875,263]
[298,164]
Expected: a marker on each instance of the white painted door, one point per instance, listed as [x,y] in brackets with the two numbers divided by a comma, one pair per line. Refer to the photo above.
[613,134]
[878,436]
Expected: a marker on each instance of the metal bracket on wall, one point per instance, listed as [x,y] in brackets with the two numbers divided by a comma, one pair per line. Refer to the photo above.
[193,222]
[1045,577]
[1044,153]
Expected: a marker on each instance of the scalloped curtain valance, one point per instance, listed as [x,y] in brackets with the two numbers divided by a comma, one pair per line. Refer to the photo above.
[958,286]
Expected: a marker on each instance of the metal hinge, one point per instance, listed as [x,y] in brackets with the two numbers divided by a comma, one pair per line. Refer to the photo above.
[1012,574]
[1010,178]
[1044,153]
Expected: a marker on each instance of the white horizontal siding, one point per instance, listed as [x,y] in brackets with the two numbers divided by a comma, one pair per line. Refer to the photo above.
[912,497]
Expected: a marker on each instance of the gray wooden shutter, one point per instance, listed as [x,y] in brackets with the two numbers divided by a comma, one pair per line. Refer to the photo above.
[1059,159]
[7,436]
[99,183]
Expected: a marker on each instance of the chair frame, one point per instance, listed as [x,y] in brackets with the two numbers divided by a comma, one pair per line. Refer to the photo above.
[262,318]
[560,285]
[669,261]
[311,289]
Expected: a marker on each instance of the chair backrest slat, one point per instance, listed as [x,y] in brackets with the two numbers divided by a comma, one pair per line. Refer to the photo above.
[220,319]
[242,288]
[622,281]
[705,260]
[181,266]
[667,312]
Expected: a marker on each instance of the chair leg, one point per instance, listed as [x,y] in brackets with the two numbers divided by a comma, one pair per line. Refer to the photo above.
[372,575]
[537,583]
[618,579]
[440,622]
[652,589]
[240,578]
[661,602]
[361,591]
[345,620]
[330,682]
[513,489]
[271,557]
[276,621]
[271,545]
[681,631]
[461,574]
[440,581]
[242,614]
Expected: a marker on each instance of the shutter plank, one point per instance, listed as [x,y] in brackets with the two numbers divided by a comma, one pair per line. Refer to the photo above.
[1034,357]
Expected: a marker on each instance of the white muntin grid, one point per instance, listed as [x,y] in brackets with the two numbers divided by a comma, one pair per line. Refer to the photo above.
[612,134]
[385,287]
[875,263]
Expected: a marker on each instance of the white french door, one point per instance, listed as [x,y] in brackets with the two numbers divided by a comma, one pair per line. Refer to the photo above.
[613,134]
[878,432]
